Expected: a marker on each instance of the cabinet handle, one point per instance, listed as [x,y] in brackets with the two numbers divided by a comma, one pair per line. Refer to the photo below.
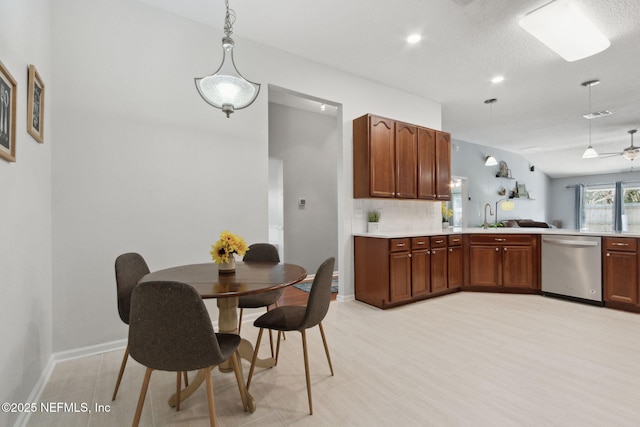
[505,249]
[439,241]
[608,254]
[620,244]
[428,252]
[422,243]
[499,240]
[497,249]
[399,245]
[409,255]
[450,250]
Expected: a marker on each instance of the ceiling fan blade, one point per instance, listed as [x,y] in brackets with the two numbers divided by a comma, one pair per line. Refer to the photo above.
[607,155]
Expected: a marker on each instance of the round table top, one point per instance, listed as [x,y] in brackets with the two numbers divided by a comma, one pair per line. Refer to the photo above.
[249,278]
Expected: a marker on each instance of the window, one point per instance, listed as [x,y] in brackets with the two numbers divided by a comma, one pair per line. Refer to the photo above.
[598,208]
[631,207]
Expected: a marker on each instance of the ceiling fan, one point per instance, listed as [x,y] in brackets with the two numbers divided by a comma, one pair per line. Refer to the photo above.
[630,153]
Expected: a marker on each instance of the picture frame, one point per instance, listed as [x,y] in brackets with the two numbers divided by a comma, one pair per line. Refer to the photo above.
[522,189]
[8,94]
[35,105]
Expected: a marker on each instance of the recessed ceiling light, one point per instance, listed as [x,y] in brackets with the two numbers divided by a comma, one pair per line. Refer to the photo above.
[563,28]
[497,79]
[414,38]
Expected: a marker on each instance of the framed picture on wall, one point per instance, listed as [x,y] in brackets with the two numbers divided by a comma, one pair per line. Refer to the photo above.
[522,189]
[35,105]
[8,87]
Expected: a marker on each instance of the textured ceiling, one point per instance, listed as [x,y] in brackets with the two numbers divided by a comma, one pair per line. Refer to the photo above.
[466,43]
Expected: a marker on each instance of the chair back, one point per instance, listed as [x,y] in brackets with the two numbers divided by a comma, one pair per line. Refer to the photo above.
[170,328]
[262,252]
[130,268]
[320,295]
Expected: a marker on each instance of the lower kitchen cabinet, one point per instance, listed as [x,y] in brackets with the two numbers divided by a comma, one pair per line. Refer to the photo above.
[455,262]
[620,271]
[504,261]
[390,272]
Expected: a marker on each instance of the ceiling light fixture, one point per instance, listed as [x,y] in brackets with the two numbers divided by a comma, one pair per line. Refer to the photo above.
[323,107]
[226,88]
[632,152]
[490,160]
[563,28]
[590,152]
[497,79]
[414,38]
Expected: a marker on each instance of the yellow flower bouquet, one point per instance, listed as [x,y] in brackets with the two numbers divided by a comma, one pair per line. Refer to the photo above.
[446,213]
[228,244]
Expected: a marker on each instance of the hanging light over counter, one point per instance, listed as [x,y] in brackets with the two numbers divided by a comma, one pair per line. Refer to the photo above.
[590,152]
[226,89]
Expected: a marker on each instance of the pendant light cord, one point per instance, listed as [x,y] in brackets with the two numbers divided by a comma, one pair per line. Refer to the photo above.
[589,112]
[229,20]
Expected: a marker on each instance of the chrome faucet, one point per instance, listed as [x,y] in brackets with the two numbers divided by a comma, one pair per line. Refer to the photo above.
[485,225]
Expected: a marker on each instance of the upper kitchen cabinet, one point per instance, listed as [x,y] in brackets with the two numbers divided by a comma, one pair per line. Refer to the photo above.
[434,164]
[399,160]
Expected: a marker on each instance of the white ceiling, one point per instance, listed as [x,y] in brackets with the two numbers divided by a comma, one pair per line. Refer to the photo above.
[466,43]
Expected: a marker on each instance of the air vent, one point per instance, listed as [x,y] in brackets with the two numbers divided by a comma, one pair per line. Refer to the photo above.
[462,3]
[597,114]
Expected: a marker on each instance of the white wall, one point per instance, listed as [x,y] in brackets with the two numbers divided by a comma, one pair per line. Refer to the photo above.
[143,164]
[25,211]
[468,160]
[562,199]
[307,143]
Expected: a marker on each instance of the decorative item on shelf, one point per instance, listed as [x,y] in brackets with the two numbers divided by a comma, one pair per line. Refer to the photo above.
[223,250]
[447,213]
[521,190]
[502,191]
[373,224]
[504,171]
[226,88]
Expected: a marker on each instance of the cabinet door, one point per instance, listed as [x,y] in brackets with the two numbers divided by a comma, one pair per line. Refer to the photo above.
[406,160]
[438,269]
[620,277]
[420,272]
[455,267]
[382,157]
[517,266]
[443,165]
[484,262]
[400,276]
[426,163]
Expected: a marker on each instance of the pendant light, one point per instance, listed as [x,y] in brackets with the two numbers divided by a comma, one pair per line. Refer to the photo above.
[226,88]
[590,152]
[490,160]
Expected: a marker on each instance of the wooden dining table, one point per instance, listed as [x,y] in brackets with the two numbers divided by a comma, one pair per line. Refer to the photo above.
[249,278]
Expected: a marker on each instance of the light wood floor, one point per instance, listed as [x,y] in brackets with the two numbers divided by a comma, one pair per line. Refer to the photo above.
[466,359]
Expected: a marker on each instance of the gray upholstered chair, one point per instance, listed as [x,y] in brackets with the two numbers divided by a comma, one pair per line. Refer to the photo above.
[130,268]
[300,318]
[170,330]
[260,252]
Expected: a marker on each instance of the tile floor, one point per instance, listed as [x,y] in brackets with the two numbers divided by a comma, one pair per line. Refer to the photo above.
[466,359]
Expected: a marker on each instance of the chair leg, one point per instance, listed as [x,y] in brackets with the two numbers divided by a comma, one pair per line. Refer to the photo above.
[240,321]
[212,403]
[326,347]
[122,366]
[278,347]
[143,395]
[238,371]
[178,387]
[186,379]
[254,358]
[306,369]
[283,336]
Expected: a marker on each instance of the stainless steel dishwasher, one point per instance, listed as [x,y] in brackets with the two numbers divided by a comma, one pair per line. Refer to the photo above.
[572,267]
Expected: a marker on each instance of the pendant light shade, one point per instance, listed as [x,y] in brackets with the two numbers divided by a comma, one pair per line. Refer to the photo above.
[226,89]
[590,152]
[490,161]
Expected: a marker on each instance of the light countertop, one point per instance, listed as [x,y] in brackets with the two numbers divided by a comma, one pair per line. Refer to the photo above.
[490,230]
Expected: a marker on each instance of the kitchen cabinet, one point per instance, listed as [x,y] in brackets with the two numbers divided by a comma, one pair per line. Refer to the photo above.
[390,272]
[504,261]
[393,159]
[455,264]
[620,270]
[434,164]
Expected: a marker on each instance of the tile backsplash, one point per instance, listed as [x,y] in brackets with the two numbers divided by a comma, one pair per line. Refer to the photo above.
[398,215]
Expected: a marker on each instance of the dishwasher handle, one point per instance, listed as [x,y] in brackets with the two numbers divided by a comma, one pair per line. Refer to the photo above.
[577,243]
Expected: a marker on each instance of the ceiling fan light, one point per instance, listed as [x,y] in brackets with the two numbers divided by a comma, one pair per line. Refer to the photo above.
[589,153]
[563,28]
